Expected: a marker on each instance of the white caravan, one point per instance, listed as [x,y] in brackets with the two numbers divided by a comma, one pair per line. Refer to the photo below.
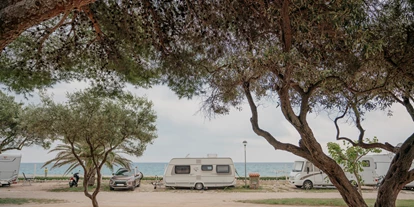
[306,175]
[200,173]
[9,168]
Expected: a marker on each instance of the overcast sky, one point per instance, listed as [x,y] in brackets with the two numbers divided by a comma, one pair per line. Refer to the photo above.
[182,130]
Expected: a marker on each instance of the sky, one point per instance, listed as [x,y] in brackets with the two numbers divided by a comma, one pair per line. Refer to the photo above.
[185,131]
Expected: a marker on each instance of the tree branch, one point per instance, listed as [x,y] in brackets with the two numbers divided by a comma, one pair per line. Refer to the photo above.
[50,31]
[96,26]
[360,143]
[18,17]
[410,109]
[269,138]
[336,123]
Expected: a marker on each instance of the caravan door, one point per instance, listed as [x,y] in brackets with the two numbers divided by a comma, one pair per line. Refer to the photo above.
[368,173]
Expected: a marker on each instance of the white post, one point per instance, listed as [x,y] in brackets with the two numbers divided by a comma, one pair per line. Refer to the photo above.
[245,171]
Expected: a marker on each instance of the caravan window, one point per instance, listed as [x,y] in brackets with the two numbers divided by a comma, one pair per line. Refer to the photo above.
[366,163]
[206,167]
[182,169]
[222,168]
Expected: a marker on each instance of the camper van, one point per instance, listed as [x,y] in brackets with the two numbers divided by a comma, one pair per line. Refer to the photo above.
[9,168]
[306,175]
[200,173]
[383,163]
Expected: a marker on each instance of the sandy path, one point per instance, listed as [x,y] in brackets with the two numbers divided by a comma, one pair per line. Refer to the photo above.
[148,197]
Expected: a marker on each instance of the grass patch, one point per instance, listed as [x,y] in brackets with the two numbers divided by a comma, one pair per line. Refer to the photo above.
[319,202]
[20,201]
[104,187]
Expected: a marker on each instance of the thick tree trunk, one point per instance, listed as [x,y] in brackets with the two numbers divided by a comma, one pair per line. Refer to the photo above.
[18,15]
[308,148]
[338,178]
[397,176]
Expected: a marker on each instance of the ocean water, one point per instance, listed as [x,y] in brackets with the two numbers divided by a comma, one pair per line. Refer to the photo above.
[265,169]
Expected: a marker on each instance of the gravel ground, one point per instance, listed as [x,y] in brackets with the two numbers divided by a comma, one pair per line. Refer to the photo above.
[147,196]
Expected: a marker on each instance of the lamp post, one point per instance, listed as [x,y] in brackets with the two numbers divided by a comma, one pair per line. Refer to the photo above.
[245,171]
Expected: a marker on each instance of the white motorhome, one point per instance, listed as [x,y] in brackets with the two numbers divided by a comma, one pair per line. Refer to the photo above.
[9,168]
[306,175]
[383,163]
[200,173]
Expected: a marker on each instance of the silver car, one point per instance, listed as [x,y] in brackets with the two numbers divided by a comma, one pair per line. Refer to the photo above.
[125,179]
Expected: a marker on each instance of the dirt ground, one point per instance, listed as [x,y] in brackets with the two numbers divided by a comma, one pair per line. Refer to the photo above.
[147,196]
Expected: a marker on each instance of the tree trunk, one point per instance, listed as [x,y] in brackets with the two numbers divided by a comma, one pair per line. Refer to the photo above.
[91,181]
[18,15]
[338,178]
[97,189]
[358,182]
[397,176]
[94,201]
[308,148]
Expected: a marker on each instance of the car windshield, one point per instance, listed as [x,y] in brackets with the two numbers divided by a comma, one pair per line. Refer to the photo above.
[124,173]
[297,166]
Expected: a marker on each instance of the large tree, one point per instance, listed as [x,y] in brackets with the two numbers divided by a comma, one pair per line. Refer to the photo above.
[304,55]
[103,125]
[17,126]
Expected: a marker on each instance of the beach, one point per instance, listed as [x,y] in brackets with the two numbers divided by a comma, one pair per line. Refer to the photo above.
[147,196]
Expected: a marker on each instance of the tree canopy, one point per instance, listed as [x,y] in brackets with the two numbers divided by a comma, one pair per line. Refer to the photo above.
[17,126]
[346,56]
[94,127]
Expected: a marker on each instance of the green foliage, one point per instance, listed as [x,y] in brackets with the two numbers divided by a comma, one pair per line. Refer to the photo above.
[93,128]
[16,123]
[350,157]
[65,156]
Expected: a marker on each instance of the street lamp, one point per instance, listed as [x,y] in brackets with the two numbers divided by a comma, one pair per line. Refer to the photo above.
[245,171]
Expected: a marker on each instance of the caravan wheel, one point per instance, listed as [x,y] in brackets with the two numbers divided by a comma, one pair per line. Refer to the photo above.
[307,185]
[199,186]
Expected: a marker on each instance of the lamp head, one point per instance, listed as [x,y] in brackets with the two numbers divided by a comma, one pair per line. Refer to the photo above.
[244,142]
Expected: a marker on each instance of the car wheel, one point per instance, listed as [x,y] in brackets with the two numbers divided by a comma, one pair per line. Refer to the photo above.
[111,189]
[307,185]
[139,183]
[199,186]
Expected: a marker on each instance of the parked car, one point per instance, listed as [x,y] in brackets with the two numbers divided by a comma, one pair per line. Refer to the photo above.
[125,179]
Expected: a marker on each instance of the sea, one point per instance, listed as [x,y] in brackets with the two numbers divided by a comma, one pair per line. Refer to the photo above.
[265,169]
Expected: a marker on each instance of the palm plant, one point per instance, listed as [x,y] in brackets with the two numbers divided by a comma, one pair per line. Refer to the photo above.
[65,156]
